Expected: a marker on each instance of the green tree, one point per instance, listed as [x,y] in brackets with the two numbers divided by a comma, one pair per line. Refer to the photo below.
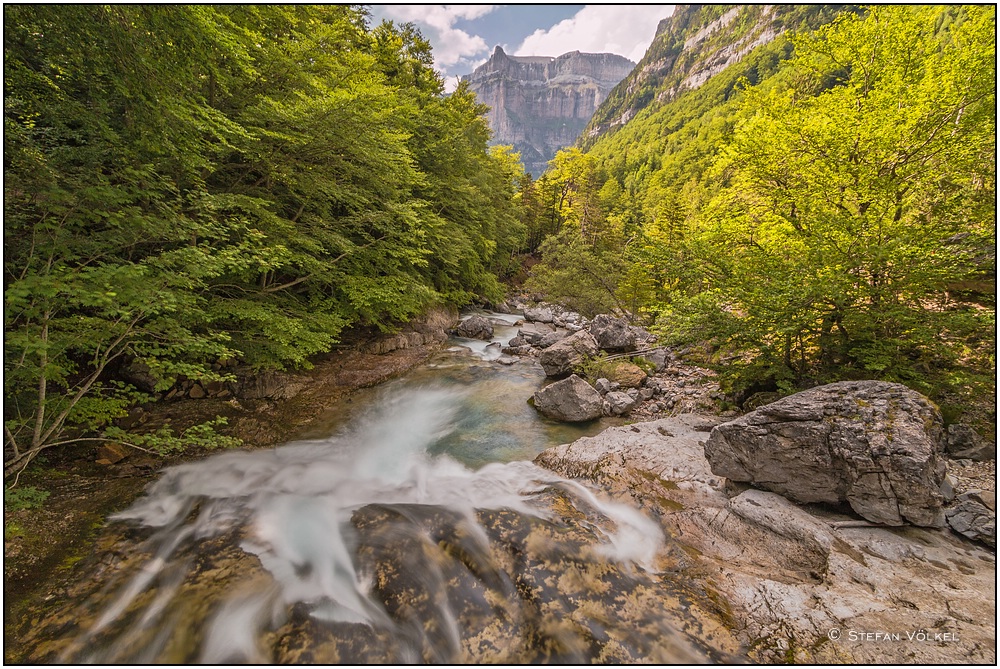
[856,195]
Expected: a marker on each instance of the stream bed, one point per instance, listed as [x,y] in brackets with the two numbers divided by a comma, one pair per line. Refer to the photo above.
[409,525]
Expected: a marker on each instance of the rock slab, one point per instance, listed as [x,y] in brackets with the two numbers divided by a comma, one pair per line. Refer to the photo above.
[874,445]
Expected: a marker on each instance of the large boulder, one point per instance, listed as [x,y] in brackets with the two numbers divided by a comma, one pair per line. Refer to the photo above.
[475,327]
[560,358]
[877,446]
[613,334]
[571,400]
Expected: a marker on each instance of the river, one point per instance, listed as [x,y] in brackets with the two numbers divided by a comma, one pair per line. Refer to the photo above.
[388,533]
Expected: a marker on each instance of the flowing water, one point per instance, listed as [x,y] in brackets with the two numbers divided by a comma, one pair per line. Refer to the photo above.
[390,534]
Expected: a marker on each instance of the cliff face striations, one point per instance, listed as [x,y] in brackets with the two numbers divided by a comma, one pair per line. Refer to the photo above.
[691,46]
[540,104]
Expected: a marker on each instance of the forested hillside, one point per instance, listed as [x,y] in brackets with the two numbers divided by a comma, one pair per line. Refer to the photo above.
[189,185]
[822,209]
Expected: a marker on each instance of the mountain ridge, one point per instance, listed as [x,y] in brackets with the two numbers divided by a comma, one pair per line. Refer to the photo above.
[540,104]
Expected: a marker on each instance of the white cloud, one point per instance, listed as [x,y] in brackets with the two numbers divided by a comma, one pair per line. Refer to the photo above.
[626,30]
[451,45]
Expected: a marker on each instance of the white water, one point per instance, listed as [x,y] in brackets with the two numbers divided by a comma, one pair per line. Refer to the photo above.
[295,504]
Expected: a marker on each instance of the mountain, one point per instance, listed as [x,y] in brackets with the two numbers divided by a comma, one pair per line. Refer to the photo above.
[691,46]
[540,104]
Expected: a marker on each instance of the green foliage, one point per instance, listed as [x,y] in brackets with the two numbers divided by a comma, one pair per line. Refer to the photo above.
[594,367]
[823,209]
[165,442]
[23,498]
[195,183]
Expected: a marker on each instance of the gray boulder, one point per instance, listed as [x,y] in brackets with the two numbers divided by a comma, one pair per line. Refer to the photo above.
[538,314]
[475,327]
[617,403]
[875,445]
[571,400]
[602,385]
[965,443]
[551,338]
[612,334]
[560,358]
[974,515]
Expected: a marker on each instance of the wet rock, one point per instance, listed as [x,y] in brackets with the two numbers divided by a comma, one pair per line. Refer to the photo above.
[973,515]
[475,327]
[517,341]
[612,334]
[875,445]
[560,358]
[617,403]
[965,443]
[571,400]
[519,350]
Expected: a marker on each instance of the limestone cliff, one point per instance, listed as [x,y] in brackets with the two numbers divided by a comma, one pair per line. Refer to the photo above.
[540,104]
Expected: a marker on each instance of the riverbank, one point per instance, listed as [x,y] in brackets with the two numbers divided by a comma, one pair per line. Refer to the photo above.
[295,406]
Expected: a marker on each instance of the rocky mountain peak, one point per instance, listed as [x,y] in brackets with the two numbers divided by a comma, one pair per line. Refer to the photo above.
[540,104]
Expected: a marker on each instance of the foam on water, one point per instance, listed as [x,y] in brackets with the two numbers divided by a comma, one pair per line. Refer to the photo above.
[296,503]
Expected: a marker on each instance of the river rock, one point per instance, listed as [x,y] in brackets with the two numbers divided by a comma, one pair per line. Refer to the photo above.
[517,341]
[658,357]
[875,445]
[973,514]
[964,443]
[628,375]
[571,400]
[617,403]
[551,338]
[538,314]
[560,358]
[475,327]
[612,334]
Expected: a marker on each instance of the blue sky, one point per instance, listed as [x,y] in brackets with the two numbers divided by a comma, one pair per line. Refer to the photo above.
[463,36]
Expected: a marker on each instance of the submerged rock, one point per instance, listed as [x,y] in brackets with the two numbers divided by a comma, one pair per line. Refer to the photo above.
[571,400]
[876,446]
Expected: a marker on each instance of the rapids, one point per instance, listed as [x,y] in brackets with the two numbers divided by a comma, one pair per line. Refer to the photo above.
[390,538]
